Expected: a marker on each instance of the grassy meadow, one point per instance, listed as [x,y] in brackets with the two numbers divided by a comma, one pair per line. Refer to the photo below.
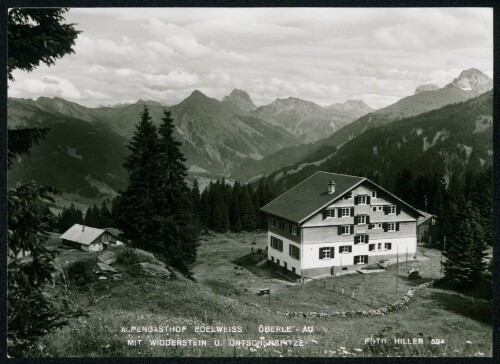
[224,294]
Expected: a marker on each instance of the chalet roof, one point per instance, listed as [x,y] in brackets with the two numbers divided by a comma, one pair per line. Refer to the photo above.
[424,217]
[308,196]
[82,234]
[311,195]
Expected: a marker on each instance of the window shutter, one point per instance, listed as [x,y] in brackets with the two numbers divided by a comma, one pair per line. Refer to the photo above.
[332,212]
[398,209]
[384,226]
[350,248]
[332,252]
[320,253]
[397,226]
[371,247]
[324,214]
[386,210]
[352,211]
[339,212]
[355,200]
[356,239]
[367,219]
[351,229]
[367,200]
[339,230]
[356,220]
[367,237]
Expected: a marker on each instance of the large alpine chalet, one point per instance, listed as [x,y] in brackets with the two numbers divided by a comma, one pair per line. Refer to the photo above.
[331,223]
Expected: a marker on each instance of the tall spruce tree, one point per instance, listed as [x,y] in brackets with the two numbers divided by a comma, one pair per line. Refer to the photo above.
[179,231]
[155,209]
[466,251]
[137,203]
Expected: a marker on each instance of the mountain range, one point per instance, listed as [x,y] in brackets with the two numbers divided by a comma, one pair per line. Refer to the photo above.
[83,153]
[469,84]
[454,139]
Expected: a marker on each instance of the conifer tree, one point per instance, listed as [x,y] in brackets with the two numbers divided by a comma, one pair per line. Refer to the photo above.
[89,219]
[137,203]
[466,249]
[105,217]
[155,209]
[34,36]
[174,198]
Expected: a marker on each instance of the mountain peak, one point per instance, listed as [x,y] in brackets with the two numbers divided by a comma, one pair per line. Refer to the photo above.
[355,108]
[197,93]
[148,102]
[241,99]
[427,87]
[473,80]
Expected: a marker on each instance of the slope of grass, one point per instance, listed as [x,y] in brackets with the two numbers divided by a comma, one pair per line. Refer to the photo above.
[219,299]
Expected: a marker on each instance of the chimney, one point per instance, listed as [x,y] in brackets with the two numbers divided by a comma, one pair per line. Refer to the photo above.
[331,187]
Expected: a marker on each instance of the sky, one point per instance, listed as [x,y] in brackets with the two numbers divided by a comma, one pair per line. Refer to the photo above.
[324,55]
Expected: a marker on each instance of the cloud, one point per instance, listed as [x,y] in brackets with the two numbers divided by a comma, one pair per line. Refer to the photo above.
[51,86]
[325,55]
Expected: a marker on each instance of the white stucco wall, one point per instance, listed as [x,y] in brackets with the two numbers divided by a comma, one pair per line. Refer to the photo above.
[284,256]
[310,253]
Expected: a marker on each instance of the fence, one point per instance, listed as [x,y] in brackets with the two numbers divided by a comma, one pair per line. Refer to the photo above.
[344,291]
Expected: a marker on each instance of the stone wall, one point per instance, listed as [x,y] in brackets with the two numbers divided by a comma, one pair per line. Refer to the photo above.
[399,304]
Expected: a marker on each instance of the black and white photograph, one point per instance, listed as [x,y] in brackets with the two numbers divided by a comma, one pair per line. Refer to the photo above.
[249,182]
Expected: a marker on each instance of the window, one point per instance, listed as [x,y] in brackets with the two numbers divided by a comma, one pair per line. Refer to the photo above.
[345,249]
[379,246]
[374,194]
[329,213]
[294,229]
[294,251]
[345,211]
[345,229]
[361,219]
[274,222]
[387,246]
[391,210]
[361,239]
[375,226]
[360,259]
[348,195]
[375,247]
[362,200]
[377,208]
[327,253]
[276,243]
[272,259]
[282,225]
[391,226]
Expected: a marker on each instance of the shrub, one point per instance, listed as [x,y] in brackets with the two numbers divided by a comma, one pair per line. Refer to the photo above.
[127,257]
[81,272]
